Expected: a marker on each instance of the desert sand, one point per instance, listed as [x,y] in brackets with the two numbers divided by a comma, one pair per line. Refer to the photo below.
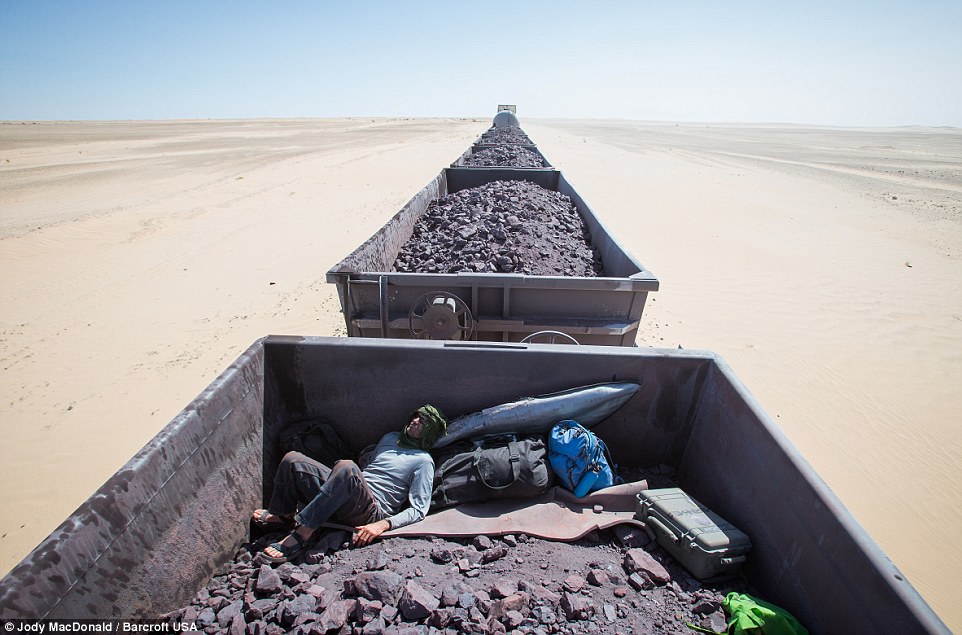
[138,259]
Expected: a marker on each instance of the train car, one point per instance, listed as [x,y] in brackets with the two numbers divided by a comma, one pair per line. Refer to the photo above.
[154,533]
[505,307]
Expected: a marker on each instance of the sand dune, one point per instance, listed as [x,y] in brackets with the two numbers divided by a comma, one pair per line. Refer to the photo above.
[137,260]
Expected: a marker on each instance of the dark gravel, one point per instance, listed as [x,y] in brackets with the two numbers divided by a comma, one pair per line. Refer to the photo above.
[508,156]
[609,582]
[505,135]
[503,226]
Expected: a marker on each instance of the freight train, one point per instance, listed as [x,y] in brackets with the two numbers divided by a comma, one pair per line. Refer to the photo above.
[154,533]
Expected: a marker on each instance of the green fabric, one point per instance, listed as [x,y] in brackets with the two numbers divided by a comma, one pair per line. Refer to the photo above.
[752,616]
[435,425]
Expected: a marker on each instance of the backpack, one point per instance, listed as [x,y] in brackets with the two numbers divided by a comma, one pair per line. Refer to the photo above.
[317,439]
[578,458]
[498,466]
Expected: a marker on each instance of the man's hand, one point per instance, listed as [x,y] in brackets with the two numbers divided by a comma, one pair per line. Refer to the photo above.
[366,533]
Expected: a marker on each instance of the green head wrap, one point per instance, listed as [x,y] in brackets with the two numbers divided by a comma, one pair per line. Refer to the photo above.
[434,426]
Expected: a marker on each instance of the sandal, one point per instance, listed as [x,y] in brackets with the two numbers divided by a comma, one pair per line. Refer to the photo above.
[287,553]
[275,522]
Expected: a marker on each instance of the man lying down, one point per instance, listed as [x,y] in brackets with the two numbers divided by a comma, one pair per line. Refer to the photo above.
[397,486]
[393,490]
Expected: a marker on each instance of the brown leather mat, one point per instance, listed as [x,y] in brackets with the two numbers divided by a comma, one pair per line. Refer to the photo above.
[555,515]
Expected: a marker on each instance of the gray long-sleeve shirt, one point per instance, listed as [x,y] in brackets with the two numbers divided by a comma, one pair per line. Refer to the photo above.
[397,476]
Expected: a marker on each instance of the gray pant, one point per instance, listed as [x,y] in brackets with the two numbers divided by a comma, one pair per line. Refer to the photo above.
[338,495]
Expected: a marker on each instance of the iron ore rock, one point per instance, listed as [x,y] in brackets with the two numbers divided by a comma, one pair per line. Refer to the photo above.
[580,587]
[501,227]
[505,135]
[507,156]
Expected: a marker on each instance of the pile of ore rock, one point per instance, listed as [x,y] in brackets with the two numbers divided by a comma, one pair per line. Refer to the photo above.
[508,135]
[502,226]
[512,156]
[609,582]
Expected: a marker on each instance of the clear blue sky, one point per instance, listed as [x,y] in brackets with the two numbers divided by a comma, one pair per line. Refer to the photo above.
[835,62]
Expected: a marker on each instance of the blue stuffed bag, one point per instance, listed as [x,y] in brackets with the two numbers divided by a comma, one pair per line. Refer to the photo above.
[579,458]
